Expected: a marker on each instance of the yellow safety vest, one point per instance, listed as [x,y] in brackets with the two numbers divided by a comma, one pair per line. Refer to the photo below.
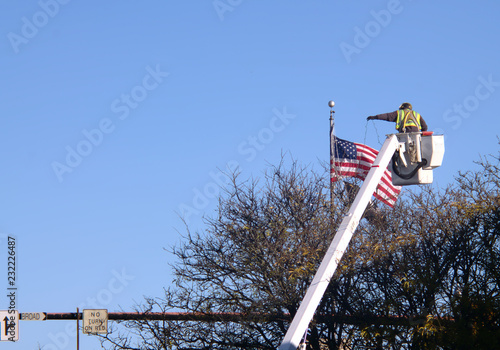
[406,118]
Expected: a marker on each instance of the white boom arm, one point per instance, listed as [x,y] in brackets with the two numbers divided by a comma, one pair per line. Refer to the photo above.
[338,246]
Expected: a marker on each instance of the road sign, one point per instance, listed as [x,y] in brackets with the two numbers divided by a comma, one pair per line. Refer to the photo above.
[33,316]
[95,321]
[9,330]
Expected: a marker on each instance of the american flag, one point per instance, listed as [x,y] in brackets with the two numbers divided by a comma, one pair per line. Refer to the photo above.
[352,159]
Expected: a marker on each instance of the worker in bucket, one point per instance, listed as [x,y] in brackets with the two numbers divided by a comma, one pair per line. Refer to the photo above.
[407,120]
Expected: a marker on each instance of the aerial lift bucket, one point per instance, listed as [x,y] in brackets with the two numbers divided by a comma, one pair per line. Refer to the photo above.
[417,155]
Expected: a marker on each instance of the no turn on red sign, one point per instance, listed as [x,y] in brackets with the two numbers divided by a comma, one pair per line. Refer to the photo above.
[95,321]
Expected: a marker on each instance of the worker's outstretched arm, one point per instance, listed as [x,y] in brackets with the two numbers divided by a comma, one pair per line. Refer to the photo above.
[390,117]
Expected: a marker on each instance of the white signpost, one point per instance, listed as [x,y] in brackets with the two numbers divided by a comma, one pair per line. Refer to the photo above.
[9,330]
[95,321]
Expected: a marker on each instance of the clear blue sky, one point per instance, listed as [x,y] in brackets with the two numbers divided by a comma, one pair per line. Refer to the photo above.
[118,115]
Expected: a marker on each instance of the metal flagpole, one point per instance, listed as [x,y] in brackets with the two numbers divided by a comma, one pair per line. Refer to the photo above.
[332,134]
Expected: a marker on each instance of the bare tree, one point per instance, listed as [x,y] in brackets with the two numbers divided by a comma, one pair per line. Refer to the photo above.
[424,275]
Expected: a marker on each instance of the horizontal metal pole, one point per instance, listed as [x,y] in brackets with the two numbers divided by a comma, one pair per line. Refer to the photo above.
[176,316]
[238,317]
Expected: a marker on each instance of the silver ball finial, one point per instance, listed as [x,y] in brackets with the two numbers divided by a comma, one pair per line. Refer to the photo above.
[331,104]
